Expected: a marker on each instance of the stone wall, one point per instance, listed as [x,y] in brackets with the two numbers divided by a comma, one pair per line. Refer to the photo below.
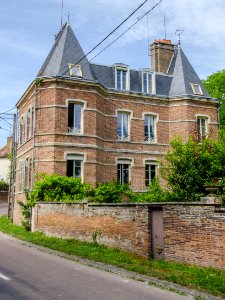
[121,226]
[193,232]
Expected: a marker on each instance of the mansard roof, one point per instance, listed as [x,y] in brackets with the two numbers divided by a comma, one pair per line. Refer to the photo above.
[178,81]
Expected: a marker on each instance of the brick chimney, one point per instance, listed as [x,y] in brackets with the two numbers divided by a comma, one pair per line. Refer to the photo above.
[161,54]
[9,145]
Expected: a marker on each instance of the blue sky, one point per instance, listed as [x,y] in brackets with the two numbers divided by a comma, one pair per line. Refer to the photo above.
[27,29]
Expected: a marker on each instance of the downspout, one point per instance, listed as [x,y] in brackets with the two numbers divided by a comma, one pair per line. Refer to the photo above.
[218,113]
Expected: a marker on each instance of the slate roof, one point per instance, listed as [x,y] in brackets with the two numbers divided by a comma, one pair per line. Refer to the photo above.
[183,75]
[67,50]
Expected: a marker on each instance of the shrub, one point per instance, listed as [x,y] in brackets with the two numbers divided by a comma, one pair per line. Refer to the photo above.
[189,166]
[156,193]
[4,186]
[55,188]
[111,192]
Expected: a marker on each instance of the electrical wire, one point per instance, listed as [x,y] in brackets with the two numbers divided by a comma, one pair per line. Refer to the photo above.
[8,111]
[108,35]
[6,122]
[5,129]
[127,30]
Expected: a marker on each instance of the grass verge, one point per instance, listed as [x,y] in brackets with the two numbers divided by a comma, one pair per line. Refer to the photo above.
[203,279]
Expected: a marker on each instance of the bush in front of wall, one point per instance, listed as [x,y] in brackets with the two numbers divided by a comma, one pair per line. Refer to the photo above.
[155,193]
[112,192]
[4,186]
[55,188]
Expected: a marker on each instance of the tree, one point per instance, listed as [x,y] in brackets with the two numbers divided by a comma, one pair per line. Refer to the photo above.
[215,85]
[4,186]
[189,166]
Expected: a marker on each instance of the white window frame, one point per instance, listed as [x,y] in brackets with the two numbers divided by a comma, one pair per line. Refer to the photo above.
[207,120]
[72,130]
[127,83]
[129,116]
[122,162]
[78,73]
[21,171]
[77,157]
[150,162]
[148,73]
[29,117]
[156,119]
[196,88]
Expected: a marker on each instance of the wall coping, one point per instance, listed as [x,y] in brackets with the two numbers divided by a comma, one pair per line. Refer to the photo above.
[153,204]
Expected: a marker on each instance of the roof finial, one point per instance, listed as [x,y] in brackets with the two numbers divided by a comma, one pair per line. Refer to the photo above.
[68,17]
[179,32]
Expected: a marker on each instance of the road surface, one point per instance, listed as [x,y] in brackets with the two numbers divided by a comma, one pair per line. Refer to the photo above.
[28,273]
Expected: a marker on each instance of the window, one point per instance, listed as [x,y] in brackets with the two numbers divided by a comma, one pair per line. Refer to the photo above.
[123,125]
[25,126]
[75,117]
[121,77]
[123,171]
[29,122]
[21,131]
[75,70]
[150,171]
[27,173]
[21,175]
[202,127]
[150,128]
[196,88]
[75,165]
[146,82]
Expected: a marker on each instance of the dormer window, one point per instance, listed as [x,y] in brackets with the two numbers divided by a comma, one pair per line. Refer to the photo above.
[121,77]
[196,88]
[75,70]
[146,82]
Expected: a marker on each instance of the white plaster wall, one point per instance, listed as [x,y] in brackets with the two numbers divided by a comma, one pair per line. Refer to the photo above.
[4,168]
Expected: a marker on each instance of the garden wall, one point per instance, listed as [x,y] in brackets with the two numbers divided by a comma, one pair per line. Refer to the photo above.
[122,226]
[193,233]
[3,197]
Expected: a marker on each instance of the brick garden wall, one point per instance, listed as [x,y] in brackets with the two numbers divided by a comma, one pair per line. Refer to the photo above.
[122,226]
[193,233]
[3,197]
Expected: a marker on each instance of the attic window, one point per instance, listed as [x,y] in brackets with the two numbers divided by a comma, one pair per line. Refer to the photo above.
[75,70]
[196,88]
[122,77]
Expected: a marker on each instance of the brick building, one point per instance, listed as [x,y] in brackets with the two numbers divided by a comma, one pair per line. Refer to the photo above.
[105,123]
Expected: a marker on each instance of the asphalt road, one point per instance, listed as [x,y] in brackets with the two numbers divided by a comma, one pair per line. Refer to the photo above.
[29,273]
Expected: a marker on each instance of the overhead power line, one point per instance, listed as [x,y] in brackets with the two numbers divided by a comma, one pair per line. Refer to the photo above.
[6,122]
[5,129]
[108,35]
[138,20]
[8,111]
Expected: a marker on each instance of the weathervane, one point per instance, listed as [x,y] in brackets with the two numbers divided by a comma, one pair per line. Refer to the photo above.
[179,32]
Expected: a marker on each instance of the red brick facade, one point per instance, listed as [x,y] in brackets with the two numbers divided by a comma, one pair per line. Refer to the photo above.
[49,142]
